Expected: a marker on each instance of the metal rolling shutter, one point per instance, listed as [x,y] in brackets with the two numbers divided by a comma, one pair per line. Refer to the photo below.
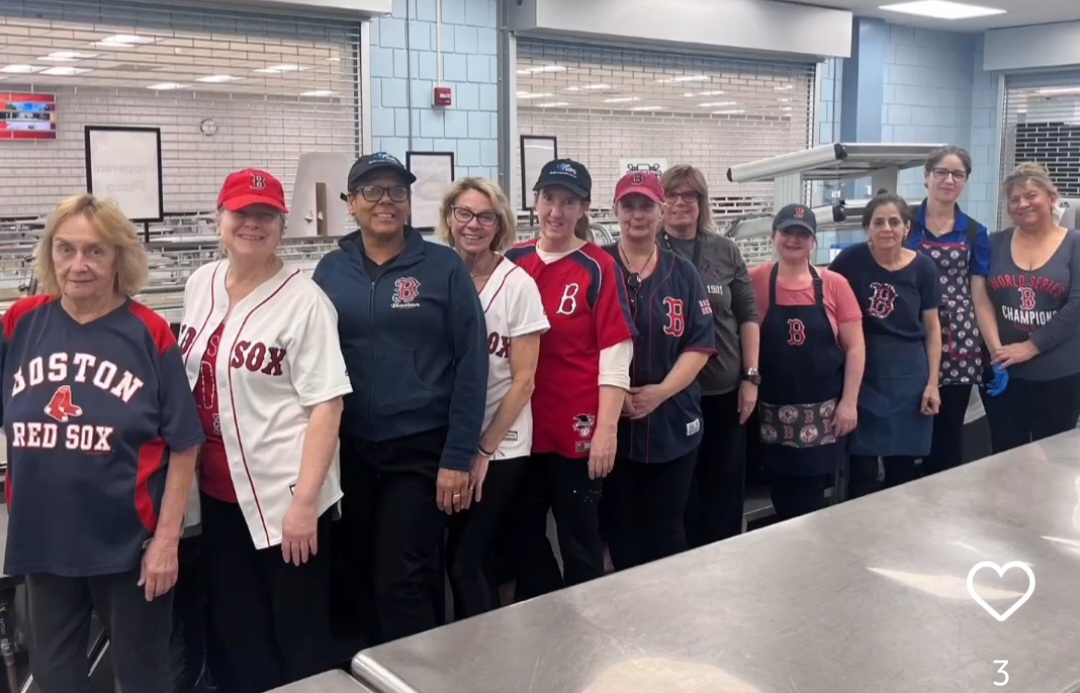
[609,104]
[1041,123]
[228,88]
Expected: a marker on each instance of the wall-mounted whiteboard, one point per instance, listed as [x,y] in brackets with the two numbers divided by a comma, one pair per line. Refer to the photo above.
[124,164]
[434,173]
[536,151]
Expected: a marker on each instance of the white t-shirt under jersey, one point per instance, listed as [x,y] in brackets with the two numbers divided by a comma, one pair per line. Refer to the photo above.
[512,308]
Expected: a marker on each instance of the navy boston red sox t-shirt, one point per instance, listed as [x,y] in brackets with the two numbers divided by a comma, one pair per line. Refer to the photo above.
[893,301]
[90,412]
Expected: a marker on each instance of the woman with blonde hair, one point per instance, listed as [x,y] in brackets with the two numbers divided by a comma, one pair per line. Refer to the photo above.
[1034,286]
[102,438]
[729,381]
[477,221]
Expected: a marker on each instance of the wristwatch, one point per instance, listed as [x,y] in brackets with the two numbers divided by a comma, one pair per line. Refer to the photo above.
[752,375]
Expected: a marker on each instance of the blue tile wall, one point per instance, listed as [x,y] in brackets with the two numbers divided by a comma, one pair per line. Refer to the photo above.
[469,38]
[933,90]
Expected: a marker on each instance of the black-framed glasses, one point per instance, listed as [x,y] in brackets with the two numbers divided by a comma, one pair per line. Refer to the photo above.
[633,288]
[374,193]
[687,196]
[943,173]
[465,215]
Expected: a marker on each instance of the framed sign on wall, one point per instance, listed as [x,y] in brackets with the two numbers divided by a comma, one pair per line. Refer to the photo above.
[124,164]
[434,173]
[536,151]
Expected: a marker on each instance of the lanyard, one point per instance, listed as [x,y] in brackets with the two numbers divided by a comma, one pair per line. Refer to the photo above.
[697,246]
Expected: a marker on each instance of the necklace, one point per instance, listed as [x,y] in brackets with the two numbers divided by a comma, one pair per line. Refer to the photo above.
[635,278]
[480,279]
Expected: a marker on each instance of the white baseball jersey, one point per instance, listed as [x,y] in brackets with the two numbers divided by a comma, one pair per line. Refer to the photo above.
[280,356]
[512,308]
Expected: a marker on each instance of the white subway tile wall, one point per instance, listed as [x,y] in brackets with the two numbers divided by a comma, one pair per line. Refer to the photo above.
[228,89]
[609,105]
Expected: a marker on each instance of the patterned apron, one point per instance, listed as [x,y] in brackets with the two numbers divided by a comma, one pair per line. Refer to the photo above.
[961,341]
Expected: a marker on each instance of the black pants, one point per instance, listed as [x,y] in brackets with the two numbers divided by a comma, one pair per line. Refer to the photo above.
[563,486]
[794,496]
[1031,410]
[471,534]
[947,448]
[864,473]
[648,509]
[391,534]
[271,618]
[138,631]
[714,510]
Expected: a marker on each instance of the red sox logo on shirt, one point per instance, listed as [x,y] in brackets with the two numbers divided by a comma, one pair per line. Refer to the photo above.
[258,357]
[1027,298]
[568,302]
[882,300]
[187,338]
[583,424]
[676,318]
[796,332]
[60,407]
[499,345]
[406,291]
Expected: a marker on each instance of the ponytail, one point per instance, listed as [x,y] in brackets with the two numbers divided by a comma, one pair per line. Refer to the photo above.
[582,230]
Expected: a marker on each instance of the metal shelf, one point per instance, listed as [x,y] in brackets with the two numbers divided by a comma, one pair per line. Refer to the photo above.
[834,162]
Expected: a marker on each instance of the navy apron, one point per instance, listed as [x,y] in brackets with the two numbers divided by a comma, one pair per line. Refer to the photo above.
[890,420]
[802,378]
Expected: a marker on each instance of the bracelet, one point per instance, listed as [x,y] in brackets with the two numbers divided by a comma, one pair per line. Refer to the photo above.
[482,451]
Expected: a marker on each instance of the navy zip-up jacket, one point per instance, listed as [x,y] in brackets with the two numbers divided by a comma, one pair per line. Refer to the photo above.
[414,342]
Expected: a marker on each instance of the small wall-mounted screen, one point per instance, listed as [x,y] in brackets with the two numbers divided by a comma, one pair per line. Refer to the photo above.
[27,116]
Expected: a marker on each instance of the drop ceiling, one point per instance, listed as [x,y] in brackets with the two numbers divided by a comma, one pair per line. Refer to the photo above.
[1017,13]
[46,54]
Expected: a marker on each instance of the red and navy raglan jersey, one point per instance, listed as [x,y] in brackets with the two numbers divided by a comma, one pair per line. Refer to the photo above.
[90,412]
[672,314]
[586,305]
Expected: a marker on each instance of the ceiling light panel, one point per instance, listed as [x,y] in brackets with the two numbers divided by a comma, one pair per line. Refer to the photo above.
[65,71]
[20,69]
[67,56]
[942,9]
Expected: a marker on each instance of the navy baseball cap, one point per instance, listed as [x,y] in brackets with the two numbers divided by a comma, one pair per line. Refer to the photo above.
[569,174]
[796,216]
[376,163]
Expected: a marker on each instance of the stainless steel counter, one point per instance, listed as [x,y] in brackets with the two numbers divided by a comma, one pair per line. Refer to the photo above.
[329,682]
[870,595]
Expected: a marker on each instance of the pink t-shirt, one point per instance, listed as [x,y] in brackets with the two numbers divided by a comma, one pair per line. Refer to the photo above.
[840,303]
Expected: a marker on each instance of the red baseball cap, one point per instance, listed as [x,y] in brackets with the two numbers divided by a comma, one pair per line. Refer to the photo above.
[252,187]
[640,183]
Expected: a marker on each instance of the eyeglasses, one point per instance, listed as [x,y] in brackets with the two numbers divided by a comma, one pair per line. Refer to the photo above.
[464,216]
[633,288]
[943,173]
[688,197]
[374,193]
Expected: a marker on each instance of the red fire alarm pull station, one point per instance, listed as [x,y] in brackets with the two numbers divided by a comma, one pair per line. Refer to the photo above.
[444,96]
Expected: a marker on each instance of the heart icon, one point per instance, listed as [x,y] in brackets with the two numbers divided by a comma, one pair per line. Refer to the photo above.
[1001,570]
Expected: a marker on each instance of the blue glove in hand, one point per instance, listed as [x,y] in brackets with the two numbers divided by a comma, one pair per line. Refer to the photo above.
[1001,381]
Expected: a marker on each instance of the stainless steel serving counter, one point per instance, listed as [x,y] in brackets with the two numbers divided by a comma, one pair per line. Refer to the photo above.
[329,682]
[867,596]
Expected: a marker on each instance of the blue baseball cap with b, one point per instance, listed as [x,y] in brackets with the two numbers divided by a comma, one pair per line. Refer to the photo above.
[796,216]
